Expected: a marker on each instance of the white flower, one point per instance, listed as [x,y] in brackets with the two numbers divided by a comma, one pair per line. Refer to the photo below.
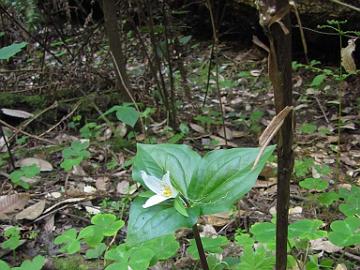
[161,187]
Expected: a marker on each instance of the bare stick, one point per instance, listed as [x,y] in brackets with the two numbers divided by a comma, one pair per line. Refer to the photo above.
[25,133]
[63,119]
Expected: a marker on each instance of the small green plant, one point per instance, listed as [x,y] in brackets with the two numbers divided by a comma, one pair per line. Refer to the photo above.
[90,130]
[103,225]
[308,128]
[75,154]
[36,263]
[12,236]
[17,176]
[125,113]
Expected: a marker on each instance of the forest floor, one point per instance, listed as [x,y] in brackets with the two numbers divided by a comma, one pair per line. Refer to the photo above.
[67,99]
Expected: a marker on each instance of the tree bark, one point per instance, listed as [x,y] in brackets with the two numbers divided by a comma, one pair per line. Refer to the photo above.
[275,19]
[115,42]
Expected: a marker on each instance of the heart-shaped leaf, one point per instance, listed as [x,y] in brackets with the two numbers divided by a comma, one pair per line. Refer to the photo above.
[345,232]
[307,229]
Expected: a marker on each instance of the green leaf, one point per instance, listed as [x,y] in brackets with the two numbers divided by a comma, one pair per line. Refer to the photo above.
[4,265]
[264,232]
[69,241]
[9,51]
[345,232]
[106,224]
[184,40]
[164,247]
[308,128]
[259,260]
[307,229]
[159,220]
[118,254]
[140,258]
[96,252]
[351,206]
[244,240]
[179,206]
[13,235]
[224,176]
[314,184]
[127,115]
[37,263]
[318,80]
[155,160]
[211,245]
[328,198]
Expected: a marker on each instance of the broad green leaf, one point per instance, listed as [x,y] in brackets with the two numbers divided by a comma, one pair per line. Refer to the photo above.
[118,254]
[155,160]
[307,229]
[224,176]
[140,258]
[244,240]
[328,198]
[9,51]
[264,232]
[107,224]
[163,247]
[318,80]
[37,263]
[258,259]
[69,240]
[159,220]
[127,115]
[345,232]
[90,236]
[308,128]
[352,202]
[314,184]
[4,265]
[13,235]
[96,252]
[211,245]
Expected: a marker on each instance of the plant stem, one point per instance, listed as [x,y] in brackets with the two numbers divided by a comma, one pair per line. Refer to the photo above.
[200,247]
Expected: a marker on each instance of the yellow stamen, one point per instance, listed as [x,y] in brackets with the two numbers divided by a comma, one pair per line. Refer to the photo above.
[167,191]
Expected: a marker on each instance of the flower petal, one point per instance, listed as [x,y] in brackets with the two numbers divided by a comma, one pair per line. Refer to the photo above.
[152,182]
[167,181]
[156,199]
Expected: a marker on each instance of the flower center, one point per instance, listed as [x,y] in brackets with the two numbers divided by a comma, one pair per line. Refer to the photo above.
[167,191]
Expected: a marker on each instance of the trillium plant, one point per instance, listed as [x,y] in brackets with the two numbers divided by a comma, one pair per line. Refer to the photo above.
[182,186]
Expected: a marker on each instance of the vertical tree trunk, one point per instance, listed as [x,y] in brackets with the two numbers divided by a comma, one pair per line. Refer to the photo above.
[274,17]
[115,41]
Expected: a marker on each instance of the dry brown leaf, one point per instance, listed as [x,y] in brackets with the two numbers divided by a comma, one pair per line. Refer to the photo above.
[44,165]
[10,203]
[228,132]
[218,220]
[123,187]
[17,113]
[341,267]
[221,141]
[347,60]
[324,245]
[271,130]
[197,128]
[102,183]
[49,223]
[32,212]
